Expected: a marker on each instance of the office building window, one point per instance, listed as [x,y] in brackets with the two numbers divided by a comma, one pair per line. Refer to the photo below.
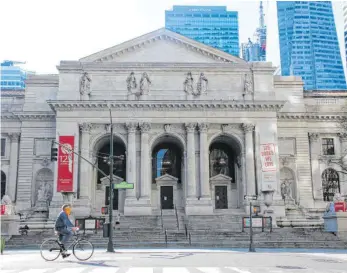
[3,146]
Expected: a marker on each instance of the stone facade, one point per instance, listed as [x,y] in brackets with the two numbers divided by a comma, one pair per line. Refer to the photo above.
[190,121]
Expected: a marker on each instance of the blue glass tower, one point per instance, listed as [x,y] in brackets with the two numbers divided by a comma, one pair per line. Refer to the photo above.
[12,77]
[309,45]
[213,26]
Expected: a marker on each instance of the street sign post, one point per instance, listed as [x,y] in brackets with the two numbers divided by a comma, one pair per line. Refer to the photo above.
[123,185]
[250,198]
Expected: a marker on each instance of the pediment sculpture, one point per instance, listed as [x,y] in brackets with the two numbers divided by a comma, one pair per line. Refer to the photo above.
[85,84]
[144,85]
[131,83]
[201,85]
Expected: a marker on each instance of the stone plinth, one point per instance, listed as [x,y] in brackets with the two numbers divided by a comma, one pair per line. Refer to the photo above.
[9,225]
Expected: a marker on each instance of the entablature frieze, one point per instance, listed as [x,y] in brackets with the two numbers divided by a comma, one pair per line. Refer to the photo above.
[260,106]
[311,116]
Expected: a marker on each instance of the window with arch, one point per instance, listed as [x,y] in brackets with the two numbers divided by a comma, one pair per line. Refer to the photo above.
[331,184]
[3,184]
[166,159]
[222,160]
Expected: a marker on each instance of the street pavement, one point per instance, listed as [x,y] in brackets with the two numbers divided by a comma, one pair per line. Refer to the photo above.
[180,261]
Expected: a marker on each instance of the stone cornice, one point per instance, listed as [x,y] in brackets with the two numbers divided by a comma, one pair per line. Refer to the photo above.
[8,116]
[261,106]
[99,67]
[312,116]
[50,80]
[29,116]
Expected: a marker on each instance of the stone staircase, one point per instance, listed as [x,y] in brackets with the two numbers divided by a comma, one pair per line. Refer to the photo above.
[194,231]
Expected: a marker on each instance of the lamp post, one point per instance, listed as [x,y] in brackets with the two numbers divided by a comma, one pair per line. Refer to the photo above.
[110,234]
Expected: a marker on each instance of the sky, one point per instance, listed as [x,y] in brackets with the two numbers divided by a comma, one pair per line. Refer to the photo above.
[44,32]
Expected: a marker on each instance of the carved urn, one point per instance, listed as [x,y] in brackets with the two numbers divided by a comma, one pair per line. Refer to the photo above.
[268,198]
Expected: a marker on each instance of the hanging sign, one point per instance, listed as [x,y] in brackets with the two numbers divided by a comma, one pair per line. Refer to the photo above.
[268,157]
[65,164]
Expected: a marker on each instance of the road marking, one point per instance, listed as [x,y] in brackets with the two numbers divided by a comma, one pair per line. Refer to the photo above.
[140,270]
[7,271]
[238,270]
[210,269]
[69,270]
[104,270]
[175,270]
[111,258]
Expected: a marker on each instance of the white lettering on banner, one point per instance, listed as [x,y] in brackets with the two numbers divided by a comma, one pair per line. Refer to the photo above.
[268,156]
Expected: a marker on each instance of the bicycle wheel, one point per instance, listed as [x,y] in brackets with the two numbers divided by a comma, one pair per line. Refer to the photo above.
[50,250]
[83,250]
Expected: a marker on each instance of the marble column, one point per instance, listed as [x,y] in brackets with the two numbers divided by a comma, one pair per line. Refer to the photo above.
[190,169]
[145,161]
[315,169]
[204,162]
[131,159]
[249,156]
[86,182]
[12,181]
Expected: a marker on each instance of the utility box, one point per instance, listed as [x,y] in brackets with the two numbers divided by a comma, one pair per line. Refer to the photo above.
[106,230]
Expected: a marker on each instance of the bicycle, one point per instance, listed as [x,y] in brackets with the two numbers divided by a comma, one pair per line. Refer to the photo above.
[52,246]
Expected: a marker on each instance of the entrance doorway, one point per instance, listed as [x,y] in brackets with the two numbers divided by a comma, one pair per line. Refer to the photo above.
[115,197]
[166,197]
[221,197]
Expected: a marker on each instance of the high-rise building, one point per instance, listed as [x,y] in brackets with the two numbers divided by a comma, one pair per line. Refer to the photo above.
[345,29]
[211,25]
[256,51]
[12,76]
[309,45]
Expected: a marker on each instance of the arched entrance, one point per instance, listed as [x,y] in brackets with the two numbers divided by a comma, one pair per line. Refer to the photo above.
[167,171]
[102,149]
[330,183]
[225,171]
[3,184]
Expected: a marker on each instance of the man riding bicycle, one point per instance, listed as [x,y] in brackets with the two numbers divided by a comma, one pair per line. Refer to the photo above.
[64,227]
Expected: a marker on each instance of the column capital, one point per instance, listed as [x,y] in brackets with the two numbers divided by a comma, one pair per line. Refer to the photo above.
[248,127]
[85,127]
[343,137]
[190,127]
[131,126]
[14,137]
[203,127]
[313,136]
[145,127]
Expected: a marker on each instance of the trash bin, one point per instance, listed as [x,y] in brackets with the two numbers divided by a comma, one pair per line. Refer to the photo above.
[106,230]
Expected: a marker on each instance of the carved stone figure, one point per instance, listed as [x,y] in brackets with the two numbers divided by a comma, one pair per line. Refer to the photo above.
[41,193]
[85,84]
[145,83]
[45,187]
[189,84]
[202,84]
[6,200]
[286,190]
[223,166]
[248,84]
[131,82]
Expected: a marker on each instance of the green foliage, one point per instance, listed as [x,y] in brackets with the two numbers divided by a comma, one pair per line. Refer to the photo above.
[2,245]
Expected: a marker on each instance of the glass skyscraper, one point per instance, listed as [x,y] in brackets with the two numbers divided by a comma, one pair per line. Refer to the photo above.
[309,45]
[345,29]
[12,76]
[211,25]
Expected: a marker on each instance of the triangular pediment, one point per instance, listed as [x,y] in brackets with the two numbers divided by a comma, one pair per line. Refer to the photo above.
[166,177]
[164,46]
[220,177]
[116,180]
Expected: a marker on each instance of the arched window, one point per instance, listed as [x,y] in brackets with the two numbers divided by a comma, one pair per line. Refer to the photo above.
[166,159]
[331,184]
[222,160]
[3,184]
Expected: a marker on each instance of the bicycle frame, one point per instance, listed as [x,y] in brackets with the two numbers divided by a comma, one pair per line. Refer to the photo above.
[76,239]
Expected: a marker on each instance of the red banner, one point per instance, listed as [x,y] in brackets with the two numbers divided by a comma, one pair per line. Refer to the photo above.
[65,164]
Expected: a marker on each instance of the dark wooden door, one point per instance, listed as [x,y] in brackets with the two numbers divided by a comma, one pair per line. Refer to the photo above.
[221,197]
[166,197]
[115,198]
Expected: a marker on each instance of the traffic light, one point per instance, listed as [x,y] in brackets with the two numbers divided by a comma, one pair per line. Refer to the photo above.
[54,154]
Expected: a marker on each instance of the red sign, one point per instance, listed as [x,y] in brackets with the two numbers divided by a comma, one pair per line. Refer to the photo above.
[65,164]
[340,206]
[3,209]
[268,157]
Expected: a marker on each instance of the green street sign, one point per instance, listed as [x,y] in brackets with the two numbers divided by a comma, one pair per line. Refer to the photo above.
[123,185]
